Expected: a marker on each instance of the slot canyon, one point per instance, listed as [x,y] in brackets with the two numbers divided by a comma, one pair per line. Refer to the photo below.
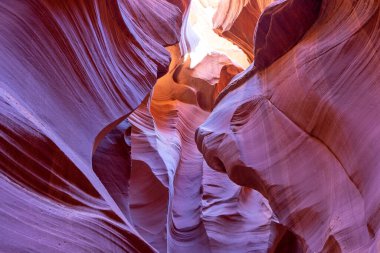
[189,126]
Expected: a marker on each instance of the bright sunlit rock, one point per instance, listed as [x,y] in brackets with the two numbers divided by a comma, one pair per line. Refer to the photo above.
[200,38]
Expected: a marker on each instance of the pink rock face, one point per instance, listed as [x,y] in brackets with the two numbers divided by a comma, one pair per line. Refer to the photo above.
[113,140]
[177,202]
[304,131]
[70,71]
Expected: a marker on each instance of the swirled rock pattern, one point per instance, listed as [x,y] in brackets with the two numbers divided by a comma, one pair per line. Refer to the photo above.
[230,21]
[70,71]
[303,129]
[131,126]
[180,196]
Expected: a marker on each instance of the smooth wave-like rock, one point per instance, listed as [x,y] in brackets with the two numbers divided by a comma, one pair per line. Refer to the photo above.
[281,26]
[270,33]
[303,129]
[197,208]
[70,71]
[131,126]
[236,21]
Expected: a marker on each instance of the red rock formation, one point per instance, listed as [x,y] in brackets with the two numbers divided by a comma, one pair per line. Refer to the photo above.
[70,71]
[303,130]
[281,26]
[174,192]
[295,135]
[236,21]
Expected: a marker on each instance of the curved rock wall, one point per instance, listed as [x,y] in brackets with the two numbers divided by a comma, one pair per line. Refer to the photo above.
[69,72]
[279,157]
[174,191]
[236,21]
[302,130]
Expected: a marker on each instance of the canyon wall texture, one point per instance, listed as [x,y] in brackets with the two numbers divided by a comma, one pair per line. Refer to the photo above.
[70,71]
[304,130]
[118,133]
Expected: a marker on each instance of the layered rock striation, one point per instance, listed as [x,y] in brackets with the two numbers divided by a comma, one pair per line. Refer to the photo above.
[302,129]
[70,71]
[130,126]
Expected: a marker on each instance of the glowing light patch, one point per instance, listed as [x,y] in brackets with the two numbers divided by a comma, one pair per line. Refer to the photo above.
[201,39]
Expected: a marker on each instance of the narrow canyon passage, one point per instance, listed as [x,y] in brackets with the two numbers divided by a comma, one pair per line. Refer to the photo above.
[189,126]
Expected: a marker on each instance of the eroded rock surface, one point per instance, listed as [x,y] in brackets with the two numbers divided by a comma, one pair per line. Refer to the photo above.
[70,71]
[197,208]
[303,130]
[264,142]
[236,21]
